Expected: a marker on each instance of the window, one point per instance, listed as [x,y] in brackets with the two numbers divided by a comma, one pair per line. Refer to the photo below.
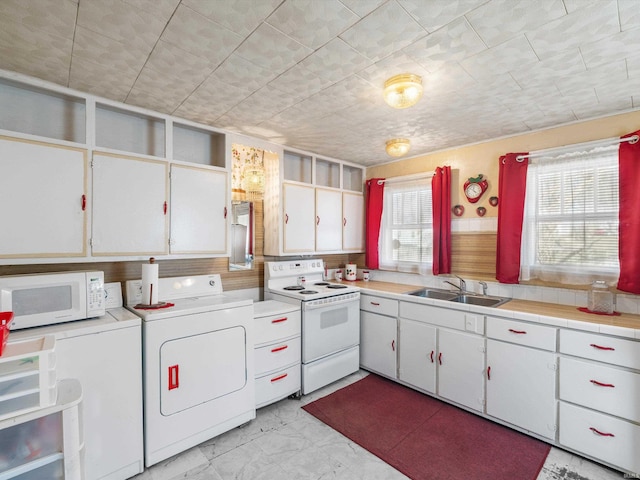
[570,227]
[406,232]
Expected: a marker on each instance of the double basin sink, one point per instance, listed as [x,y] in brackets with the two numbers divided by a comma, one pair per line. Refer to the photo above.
[460,297]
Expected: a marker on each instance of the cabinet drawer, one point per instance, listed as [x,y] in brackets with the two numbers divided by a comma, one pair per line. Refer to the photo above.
[601,387]
[277,386]
[383,306]
[277,355]
[270,328]
[602,348]
[600,436]
[527,334]
[443,317]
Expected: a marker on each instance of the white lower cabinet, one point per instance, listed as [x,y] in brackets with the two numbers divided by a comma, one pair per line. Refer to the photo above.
[277,353]
[378,339]
[521,387]
[417,354]
[604,437]
[461,368]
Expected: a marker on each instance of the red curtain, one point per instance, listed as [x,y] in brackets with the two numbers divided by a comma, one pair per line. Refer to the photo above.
[375,195]
[629,229]
[441,197]
[512,184]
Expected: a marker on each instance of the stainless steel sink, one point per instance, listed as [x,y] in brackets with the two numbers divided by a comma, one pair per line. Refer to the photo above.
[480,300]
[470,299]
[437,294]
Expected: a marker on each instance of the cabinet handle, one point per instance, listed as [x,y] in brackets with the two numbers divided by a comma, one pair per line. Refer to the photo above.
[440,358]
[603,434]
[225,212]
[84,202]
[174,379]
[279,349]
[431,356]
[601,348]
[344,222]
[600,384]
[286,218]
[279,320]
[519,332]
[375,304]
[393,345]
[279,377]
[488,373]
[317,220]
[164,208]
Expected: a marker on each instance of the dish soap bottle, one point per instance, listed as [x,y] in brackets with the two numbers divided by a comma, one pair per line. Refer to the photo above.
[600,298]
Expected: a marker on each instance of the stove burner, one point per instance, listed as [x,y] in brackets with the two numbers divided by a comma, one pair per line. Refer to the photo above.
[337,286]
[294,287]
[308,292]
[321,284]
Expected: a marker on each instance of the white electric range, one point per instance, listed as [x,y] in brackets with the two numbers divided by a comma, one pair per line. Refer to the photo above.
[330,319]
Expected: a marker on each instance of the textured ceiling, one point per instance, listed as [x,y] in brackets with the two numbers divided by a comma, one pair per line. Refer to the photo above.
[309,73]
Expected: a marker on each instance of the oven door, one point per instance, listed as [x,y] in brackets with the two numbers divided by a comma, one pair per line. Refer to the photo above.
[329,328]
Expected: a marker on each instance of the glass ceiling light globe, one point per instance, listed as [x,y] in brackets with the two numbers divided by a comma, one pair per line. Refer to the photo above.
[403,90]
[398,147]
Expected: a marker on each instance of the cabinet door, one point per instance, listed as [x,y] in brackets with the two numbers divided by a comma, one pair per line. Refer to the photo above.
[417,354]
[521,387]
[198,210]
[43,189]
[378,343]
[353,222]
[461,368]
[328,220]
[111,398]
[129,206]
[299,218]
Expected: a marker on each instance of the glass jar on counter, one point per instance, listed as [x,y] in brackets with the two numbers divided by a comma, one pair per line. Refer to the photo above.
[600,299]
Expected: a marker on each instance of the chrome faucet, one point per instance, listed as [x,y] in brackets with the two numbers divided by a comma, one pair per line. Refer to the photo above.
[484,288]
[462,287]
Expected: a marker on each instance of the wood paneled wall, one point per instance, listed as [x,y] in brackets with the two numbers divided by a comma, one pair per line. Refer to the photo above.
[473,255]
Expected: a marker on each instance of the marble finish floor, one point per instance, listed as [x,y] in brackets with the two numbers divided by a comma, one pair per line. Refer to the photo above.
[284,442]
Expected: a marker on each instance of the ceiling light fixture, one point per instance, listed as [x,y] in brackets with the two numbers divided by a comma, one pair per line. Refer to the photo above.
[403,90]
[398,147]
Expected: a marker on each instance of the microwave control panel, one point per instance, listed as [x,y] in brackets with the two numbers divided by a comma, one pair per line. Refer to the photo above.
[95,294]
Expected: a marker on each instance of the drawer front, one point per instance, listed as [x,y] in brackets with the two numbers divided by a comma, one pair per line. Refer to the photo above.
[601,387]
[276,356]
[383,306]
[521,333]
[278,385]
[602,348]
[600,436]
[443,317]
[274,327]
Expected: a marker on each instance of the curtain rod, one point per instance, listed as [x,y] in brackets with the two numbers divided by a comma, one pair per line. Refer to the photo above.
[567,148]
[407,178]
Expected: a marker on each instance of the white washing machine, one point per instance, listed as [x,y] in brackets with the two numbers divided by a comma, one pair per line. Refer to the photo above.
[104,354]
[197,364]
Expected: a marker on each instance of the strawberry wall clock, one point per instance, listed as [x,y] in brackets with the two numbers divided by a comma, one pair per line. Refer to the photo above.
[474,187]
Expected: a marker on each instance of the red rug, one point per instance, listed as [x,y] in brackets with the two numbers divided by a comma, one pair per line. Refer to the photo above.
[425,438]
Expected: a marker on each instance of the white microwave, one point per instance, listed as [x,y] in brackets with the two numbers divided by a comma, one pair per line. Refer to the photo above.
[45,299]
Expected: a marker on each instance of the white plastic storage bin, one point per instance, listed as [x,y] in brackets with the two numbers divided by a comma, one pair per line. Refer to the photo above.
[27,376]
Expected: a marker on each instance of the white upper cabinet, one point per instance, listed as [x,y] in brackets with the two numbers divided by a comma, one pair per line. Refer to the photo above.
[44,194]
[130,205]
[352,222]
[328,220]
[298,218]
[198,210]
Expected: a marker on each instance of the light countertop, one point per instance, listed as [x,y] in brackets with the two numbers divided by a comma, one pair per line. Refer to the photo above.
[626,324]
